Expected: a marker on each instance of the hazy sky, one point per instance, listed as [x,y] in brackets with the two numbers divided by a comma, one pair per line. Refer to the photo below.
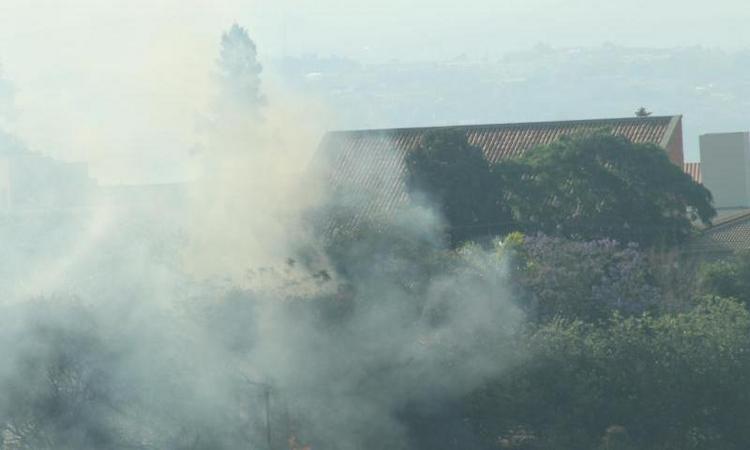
[125,74]
[377,29]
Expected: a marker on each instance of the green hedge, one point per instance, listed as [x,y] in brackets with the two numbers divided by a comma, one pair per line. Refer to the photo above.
[676,381]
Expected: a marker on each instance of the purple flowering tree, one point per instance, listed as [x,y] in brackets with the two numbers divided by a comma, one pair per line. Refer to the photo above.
[586,280]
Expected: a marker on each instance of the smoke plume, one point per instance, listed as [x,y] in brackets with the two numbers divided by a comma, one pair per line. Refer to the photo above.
[217,314]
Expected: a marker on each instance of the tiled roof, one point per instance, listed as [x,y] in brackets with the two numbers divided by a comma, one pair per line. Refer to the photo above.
[694,170]
[729,234]
[366,167]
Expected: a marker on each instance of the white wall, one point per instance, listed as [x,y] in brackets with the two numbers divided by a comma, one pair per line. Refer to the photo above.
[725,168]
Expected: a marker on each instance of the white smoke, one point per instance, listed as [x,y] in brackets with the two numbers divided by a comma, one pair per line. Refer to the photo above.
[211,314]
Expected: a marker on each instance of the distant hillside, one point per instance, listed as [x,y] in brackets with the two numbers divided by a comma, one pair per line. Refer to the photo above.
[710,87]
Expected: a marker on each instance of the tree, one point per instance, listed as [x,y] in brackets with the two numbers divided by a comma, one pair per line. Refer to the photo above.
[240,69]
[676,381]
[599,185]
[447,170]
[581,280]
[642,112]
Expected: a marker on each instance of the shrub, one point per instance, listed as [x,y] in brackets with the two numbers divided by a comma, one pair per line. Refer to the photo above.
[728,278]
[675,381]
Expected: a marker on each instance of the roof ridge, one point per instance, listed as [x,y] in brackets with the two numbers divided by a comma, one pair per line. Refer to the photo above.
[514,124]
[729,220]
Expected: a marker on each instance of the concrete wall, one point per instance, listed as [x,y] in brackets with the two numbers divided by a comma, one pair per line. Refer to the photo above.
[725,168]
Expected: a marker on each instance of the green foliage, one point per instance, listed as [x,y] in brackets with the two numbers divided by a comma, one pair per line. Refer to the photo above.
[603,186]
[678,381]
[728,278]
[455,175]
[586,187]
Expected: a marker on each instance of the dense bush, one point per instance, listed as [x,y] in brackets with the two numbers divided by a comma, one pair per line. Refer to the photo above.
[728,277]
[678,381]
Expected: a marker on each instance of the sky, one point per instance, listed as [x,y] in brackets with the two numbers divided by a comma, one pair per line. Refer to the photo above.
[383,29]
[128,77]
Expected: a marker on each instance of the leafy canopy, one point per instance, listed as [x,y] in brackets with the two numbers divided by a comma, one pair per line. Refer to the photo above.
[600,185]
[587,187]
[451,172]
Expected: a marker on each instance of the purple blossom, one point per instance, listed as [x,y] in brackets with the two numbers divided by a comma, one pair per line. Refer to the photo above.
[588,279]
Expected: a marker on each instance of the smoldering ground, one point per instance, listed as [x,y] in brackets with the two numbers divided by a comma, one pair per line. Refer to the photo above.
[221,317]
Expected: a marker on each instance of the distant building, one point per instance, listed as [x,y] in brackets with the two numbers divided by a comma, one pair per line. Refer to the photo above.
[724,169]
[365,168]
[151,200]
[30,182]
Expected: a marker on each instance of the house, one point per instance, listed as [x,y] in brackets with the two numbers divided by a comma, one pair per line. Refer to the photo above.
[364,168]
[726,235]
[693,169]
[30,183]
[724,169]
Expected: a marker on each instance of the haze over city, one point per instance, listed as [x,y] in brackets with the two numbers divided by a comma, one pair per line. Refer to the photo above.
[124,84]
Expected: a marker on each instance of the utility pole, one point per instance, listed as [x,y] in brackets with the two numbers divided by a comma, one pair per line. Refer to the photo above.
[266,406]
[267,401]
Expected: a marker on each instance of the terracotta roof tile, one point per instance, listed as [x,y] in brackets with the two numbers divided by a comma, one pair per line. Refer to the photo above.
[728,235]
[366,167]
[694,170]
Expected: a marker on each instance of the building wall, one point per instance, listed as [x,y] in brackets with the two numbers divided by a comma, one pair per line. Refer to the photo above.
[675,145]
[725,168]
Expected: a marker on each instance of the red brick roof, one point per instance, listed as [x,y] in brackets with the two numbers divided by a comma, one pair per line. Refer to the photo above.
[368,165]
[726,235]
[694,170]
